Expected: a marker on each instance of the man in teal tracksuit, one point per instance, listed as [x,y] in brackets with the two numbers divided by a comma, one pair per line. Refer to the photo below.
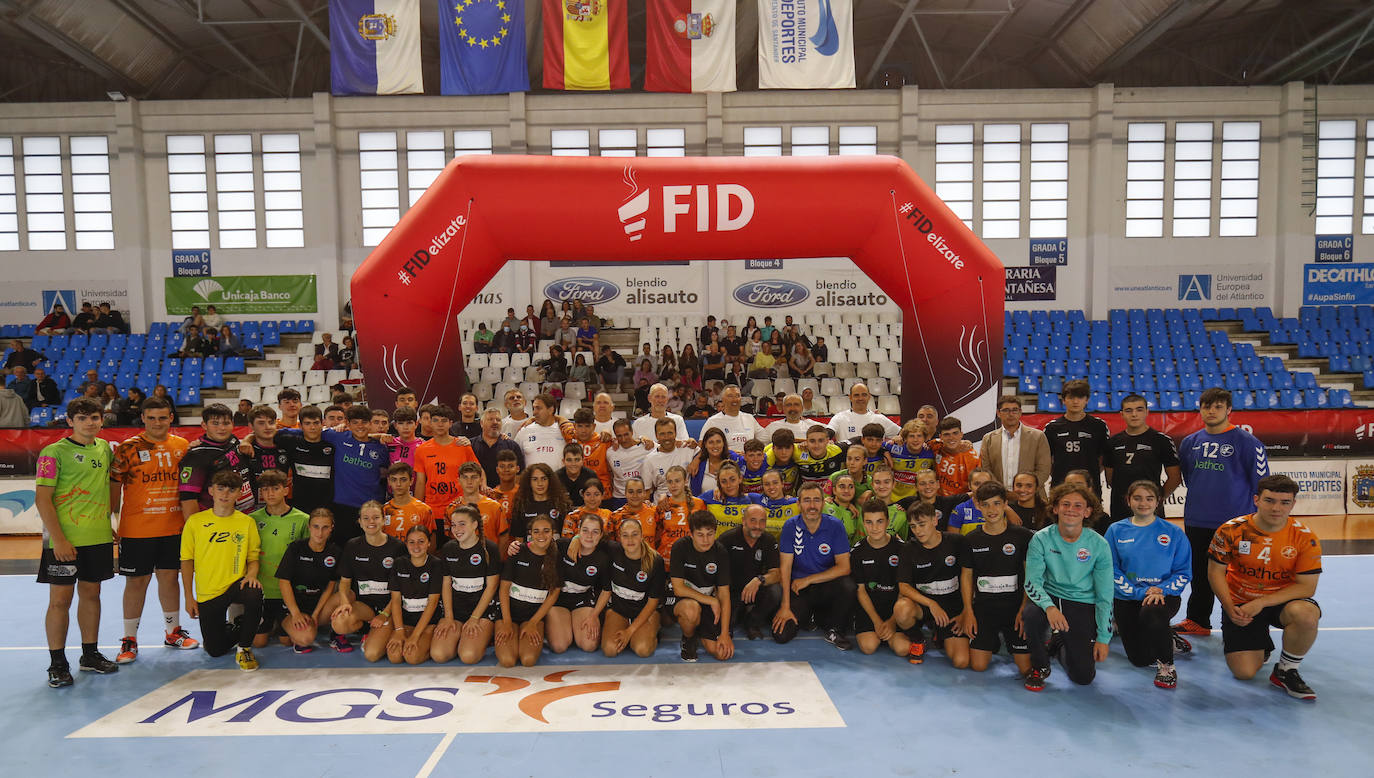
[1068,590]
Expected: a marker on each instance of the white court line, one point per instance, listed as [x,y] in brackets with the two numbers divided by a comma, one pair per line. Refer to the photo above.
[434,757]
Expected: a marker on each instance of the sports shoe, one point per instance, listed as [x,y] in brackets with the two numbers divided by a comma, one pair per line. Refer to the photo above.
[1190,627]
[340,644]
[128,651]
[1182,645]
[689,649]
[1055,643]
[1035,680]
[753,632]
[1166,677]
[917,653]
[97,663]
[180,638]
[834,638]
[301,649]
[59,676]
[247,662]
[1291,682]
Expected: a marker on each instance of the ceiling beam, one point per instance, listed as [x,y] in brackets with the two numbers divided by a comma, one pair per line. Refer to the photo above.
[1145,36]
[309,23]
[267,82]
[1060,25]
[1316,43]
[891,39]
[939,74]
[1007,16]
[59,40]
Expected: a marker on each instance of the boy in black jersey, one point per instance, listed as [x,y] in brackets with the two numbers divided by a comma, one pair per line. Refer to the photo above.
[700,575]
[259,452]
[205,457]
[929,576]
[991,585]
[573,475]
[1140,453]
[311,458]
[883,615]
[753,555]
[308,575]
[1078,440]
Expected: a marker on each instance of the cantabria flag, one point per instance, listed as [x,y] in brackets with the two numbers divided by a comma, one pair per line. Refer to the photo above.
[806,44]
[374,47]
[690,46]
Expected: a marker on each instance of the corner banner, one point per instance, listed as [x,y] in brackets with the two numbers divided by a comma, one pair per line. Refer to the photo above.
[27,302]
[806,44]
[242,294]
[1359,486]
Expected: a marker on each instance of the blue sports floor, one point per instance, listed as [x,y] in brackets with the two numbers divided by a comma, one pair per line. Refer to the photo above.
[813,711]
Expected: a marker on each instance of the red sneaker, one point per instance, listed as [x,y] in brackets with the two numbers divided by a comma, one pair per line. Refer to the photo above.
[180,638]
[1190,627]
[128,651]
[917,653]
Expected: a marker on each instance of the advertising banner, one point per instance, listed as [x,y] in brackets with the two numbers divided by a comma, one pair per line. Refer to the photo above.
[1031,283]
[1351,284]
[811,285]
[27,302]
[1179,286]
[622,288]
[18,516]
[242,294]
[1359,492]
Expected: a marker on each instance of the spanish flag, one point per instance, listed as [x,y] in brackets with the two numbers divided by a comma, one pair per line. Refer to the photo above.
[586,45]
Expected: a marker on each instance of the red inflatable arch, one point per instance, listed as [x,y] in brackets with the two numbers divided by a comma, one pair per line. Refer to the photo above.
[484,211]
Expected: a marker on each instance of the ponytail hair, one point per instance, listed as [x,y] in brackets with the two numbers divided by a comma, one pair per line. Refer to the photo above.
[646,561]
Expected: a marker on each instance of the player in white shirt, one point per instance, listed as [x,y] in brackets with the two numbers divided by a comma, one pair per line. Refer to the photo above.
[849,424]
[603,408]
[792,419]
[658,409]
[543,440]
[626,461]
[667,455]
[515,413]
[737,426]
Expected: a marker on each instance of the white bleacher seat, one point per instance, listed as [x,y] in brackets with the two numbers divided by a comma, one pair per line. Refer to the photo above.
[269,377]
[478,361]
[251,394]
[838,404]
[575,390]
[313,377]
[499,392]
[889,369]
[867,369]
[895,384]
[335,376]
[498,360]
[568,407]
[830,387]
[520,360]
[656,322]
[531,374]
[844,370]
[890,404]
[849,318]
[269,394]
[317,394]
[490,374]
[292,378]
[878,354]
[289,363]
[763,387]
[890,318]
[512,374]
[482,391]
[877,386]
[859,330]
[808,383]
[869,318]
[541,355]
[813,319]
[849,383]
[785,385]
[305,350]
[529,389]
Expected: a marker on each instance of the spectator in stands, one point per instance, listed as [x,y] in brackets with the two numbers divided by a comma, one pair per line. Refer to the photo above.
[566,337]
[641,395]
[667,361]
[763,364]
[527,339]
[594,318]
[713,363]
[20,382]
[327,347]
[792,334]
[690,378]
[645,374]
[160,392]
[44,392]
[733,345]
[579,311]
[708,331]
[109,402]
[548,321]
[83,320]
[588,336]
[196,345]
[801,363]
[229,343]
[109,320]
[503,342]
[510,321]
[241,415]
[688,358]
[193,322]
[808,399]
[820,352]
[92,379]
[647,352]
[751,326]
[611,367]
[768,406]
[13,412]
[773,345]
[678,399]
[348,354]
[532,319]
[699,409]
[55,323]
[581,371]
[481,339]
[23,356]
[556,366]
[322,362]
[212,317]
[92,392]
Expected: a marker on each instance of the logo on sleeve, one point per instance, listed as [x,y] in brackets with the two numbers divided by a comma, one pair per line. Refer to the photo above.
[758,555]
[1243,547]
[329,561]
[1289,552]
[1163,540]
[1084,555]
[1009,549]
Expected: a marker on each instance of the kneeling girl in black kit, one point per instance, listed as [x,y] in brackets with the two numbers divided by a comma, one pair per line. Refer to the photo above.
[585,569]
[472,573]
[308,575]
[416,581]
[364,585]
[529,588]
[637,587]
[931,567]
[883,614]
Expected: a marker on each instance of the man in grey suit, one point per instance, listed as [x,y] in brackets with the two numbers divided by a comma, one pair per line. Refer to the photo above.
[1013,447]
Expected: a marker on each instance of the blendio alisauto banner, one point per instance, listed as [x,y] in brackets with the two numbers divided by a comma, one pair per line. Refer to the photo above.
[242,294]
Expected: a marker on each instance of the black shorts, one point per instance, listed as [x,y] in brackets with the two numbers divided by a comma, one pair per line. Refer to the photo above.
[462,608]
[707,627]
[572,602]
[997,625]
[883,603]
[141,556]
[1255,635]
[952,609]
[521,611]
[93,564]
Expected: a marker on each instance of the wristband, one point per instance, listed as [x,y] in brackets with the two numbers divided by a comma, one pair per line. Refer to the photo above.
[761,579]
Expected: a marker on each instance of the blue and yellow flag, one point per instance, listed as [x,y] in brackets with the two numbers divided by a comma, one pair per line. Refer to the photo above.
[482,47]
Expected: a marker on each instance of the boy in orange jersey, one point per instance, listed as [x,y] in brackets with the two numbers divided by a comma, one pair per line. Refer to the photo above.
[143,490]
[954,468]
[437,461]
[289,403]
[494,516]
[403,511]
[594,446]
[1263,568]
[635,507]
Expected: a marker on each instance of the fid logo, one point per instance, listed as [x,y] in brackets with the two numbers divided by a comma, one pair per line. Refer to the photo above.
[734,206]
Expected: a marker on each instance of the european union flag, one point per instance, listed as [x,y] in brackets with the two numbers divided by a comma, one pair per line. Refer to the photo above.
[482,47]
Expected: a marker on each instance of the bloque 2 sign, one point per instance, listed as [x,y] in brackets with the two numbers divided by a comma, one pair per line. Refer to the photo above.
[242,294]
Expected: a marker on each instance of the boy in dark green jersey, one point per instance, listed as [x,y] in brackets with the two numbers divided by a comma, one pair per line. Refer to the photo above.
[278,526]
[72,494]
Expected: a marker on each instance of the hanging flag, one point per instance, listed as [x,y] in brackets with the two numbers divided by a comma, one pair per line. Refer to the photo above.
[806,44]
[586,45]
[690,46]
[482,47]
[374,47]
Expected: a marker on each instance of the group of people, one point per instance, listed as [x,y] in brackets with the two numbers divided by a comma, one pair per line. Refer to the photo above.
[436,533]
[91,318]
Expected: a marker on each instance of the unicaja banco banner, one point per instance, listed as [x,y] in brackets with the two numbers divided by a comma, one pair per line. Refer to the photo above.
[242,294]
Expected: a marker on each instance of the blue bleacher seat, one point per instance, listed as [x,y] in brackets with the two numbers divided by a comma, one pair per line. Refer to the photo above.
[1050,403]
[308,325]
[233,364]
[188,396]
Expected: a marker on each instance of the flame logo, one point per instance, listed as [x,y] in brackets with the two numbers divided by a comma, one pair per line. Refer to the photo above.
[973,356]
[636,203]
[394,374]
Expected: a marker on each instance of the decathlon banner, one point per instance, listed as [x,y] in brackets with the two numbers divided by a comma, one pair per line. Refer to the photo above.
[242,294]
[690,46]
[384,701]
[806,44]
[1338,284]
[374,47]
